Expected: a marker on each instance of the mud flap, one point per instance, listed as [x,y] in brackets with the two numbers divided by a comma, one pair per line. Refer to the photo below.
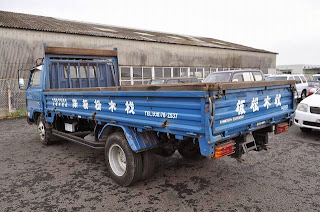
[138,141]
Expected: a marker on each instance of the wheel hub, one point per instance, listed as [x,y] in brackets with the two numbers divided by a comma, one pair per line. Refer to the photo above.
[41,130]
[117,160]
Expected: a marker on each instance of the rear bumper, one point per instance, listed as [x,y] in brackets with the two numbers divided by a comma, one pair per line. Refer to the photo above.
[307,120]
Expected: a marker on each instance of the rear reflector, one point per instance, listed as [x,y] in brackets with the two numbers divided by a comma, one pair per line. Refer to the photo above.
[282,127]
[224,149]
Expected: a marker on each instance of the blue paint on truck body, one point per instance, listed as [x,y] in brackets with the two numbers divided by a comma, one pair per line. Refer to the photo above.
[209,116]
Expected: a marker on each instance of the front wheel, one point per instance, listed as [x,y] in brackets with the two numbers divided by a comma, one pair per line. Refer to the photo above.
[305,130]
[124,165]
[44,131]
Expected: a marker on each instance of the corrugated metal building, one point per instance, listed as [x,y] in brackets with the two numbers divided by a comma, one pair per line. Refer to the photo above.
[142,54]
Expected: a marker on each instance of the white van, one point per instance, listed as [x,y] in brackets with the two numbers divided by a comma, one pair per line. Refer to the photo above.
[301,82]
[316,77]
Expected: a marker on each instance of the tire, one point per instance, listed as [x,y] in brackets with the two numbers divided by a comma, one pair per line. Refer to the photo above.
[305,130]
[124,165]
[149,161]
[44,131]
[303,94]
[190,150]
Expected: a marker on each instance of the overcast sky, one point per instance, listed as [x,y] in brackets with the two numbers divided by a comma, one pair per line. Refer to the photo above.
[288,27]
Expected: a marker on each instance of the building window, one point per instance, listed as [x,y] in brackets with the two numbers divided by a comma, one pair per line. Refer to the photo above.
[125,82]
[125,76]
[206,72]
[137,73]
[192,72]
[142,75]
[176,72]
[213,70]
[158,72]
[137,82]
[146,74]
[166,72]
[125,73]
[199,73]
[184,72]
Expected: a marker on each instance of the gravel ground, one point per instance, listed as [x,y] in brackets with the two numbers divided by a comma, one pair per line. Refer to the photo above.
[69,177]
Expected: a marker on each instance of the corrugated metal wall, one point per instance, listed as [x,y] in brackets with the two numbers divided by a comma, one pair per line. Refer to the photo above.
[20,48]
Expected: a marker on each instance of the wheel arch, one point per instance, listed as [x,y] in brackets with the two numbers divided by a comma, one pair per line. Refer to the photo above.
[138,141]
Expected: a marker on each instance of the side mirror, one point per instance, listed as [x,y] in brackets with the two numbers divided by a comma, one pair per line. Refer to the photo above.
[21,81]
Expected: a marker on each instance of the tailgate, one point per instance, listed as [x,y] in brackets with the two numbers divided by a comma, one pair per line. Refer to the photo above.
[244,110]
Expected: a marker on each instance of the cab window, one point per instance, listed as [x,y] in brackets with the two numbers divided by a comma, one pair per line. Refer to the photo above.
[35,77]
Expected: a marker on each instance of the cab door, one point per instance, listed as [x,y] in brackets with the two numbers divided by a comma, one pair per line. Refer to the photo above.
[34,93]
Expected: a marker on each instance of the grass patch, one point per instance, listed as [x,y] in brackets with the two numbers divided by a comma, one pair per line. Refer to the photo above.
[17,113]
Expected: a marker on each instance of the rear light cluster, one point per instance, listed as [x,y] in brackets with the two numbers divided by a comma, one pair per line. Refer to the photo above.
[224,149]
[282,127]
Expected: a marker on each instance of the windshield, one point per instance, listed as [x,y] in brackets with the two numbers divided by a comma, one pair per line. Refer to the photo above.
[157,82]
[218,77]
[276,78]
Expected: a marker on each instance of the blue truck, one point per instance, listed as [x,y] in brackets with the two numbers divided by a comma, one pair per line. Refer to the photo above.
[75,94]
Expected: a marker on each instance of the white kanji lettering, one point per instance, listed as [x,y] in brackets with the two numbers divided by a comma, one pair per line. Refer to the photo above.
[65,102]
[130,107]
[277,100]
[267,103]
[85,104]
[240,107]
[74,103]
[97,104]
[112,106]
[255,104]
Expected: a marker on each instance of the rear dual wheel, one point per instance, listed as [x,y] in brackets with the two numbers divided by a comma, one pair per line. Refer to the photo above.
[125,166]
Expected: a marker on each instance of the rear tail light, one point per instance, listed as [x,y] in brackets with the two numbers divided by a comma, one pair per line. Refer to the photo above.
[282,127]
[224,149]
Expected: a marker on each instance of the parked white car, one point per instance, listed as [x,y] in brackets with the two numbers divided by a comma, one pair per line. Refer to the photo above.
[316,77]
[301,83]
[307,115]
